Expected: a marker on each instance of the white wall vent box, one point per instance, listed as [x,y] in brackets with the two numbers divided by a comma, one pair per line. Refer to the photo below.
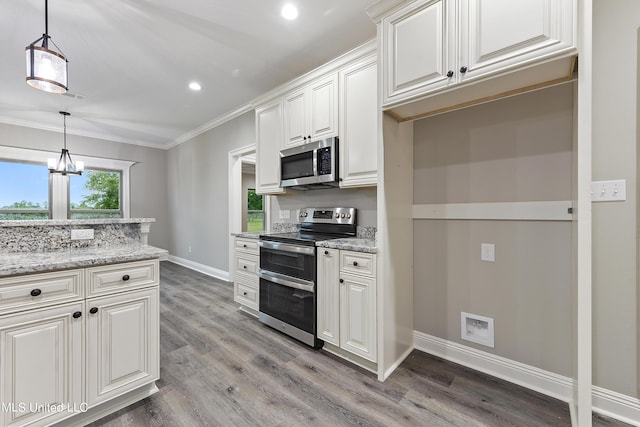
[477,329]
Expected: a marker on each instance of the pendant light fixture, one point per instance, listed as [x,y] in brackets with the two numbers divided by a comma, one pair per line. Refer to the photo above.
[64,165]
[46,68]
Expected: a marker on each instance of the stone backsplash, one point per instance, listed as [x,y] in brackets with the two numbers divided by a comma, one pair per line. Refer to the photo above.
[43,236]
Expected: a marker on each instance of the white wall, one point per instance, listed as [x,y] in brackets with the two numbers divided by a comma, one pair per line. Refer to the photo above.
[148,175]
[198,186]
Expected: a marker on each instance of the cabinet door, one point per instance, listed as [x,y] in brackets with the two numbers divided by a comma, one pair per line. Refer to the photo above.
[358,315]
[501,34]
[323,114]
[328,295]
[295,118]
[359,124]
[122,343]
[41,365]
[268,144]
[420,49]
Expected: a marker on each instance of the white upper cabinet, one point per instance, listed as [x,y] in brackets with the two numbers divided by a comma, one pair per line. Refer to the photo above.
[419,48]
[432,45]
[311,112]
[358,124]
[268,145]
[501,34]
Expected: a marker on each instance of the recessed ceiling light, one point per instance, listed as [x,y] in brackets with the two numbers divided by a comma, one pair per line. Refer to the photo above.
[289,11]
[195,86]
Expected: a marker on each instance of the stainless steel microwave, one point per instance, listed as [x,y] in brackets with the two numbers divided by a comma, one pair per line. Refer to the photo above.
[310,166]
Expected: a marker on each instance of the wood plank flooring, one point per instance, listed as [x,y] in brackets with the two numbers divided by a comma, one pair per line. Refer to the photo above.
[221,367]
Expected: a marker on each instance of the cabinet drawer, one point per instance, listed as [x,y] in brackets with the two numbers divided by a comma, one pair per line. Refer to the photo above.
[247,263]
[358,262]
[247,245]
[246,294]
[121,277]
[36,290]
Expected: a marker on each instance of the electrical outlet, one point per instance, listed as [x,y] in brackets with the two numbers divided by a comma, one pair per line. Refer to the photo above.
[488,252]
[189,248]
[285,214]
[609,191]
[82,234]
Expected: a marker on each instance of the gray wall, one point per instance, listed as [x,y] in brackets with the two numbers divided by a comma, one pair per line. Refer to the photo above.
[198,188]
[363,199]
[615,156]
[515,149]
[148,176]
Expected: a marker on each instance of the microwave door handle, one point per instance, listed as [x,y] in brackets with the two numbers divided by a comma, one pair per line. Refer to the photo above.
[315,162]
[300,284]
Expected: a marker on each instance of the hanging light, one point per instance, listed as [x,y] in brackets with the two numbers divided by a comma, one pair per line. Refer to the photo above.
[64,165]
[46,68]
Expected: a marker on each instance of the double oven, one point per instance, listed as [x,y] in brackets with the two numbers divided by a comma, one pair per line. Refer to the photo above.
[288,271]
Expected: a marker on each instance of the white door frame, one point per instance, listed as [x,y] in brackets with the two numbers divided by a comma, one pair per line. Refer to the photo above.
[236,157]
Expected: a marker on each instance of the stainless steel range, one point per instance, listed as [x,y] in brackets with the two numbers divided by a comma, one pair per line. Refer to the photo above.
[288,271]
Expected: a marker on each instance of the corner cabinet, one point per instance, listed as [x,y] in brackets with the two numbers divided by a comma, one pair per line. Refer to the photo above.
[347,304]
[311,112]
[430,45]
[268,144]
[358,124]
[65,349]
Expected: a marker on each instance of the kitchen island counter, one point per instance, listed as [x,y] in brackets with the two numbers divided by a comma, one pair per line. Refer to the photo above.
[35,262]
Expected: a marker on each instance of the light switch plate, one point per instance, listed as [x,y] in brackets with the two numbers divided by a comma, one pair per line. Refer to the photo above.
[488,252]
[609,191]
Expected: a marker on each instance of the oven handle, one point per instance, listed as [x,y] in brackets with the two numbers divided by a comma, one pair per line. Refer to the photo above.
[284,247]
[290,282]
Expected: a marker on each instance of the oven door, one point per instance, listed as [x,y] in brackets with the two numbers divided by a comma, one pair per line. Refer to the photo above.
[288,259]
[289,300]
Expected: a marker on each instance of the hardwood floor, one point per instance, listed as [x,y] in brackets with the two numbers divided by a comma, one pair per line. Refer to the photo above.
[221,367]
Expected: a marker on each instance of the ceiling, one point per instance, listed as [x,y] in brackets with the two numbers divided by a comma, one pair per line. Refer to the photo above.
[130,61]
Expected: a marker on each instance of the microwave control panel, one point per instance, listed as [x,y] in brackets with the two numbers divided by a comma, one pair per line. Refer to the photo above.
[324,161]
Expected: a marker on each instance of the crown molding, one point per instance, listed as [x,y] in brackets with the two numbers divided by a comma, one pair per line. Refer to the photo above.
[377,10]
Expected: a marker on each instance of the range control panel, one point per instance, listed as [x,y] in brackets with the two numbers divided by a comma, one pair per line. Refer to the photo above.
[328,215]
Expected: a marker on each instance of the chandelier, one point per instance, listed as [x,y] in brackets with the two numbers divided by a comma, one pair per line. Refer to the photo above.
[64,165]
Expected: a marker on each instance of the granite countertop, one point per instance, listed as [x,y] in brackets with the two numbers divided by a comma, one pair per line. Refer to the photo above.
[350,244]
[39,222]
[248,235]
[36,262]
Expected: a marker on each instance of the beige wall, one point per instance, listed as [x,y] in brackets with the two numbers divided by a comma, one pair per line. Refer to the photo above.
[148,175]
[515,149]
[615,156]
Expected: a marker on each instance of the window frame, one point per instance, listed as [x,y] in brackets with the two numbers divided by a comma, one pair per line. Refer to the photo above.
[59,200]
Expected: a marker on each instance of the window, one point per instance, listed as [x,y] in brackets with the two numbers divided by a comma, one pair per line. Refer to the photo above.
[29,191]
[95,194]
[255,211]
[24,191]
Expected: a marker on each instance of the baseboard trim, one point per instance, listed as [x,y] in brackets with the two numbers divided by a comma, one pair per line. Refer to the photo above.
[606,402]
[545,382]
[388,372]
[615,405]
[201,268]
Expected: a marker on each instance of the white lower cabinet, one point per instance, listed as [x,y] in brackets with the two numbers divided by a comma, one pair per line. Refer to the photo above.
[347,301]
[63,353]
[41,364]
[122,342]
[246,286]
